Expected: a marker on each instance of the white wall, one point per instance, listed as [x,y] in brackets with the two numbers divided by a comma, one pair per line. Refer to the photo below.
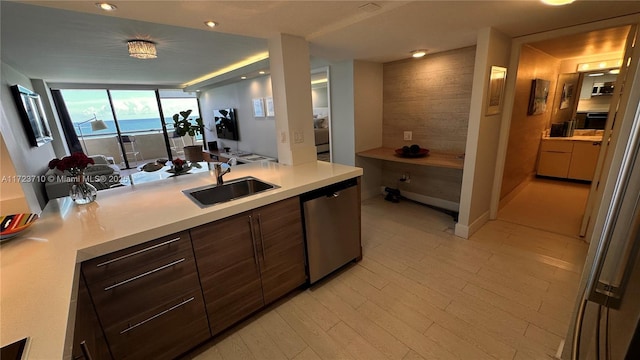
[483,135]
[257,135]
[343,113]
[368,122]
[27,160]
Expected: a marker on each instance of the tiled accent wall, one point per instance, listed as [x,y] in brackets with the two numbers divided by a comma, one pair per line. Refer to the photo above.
[431,98]
[526,130]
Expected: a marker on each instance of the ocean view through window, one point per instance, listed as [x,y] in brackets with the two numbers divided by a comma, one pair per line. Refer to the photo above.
[128,115]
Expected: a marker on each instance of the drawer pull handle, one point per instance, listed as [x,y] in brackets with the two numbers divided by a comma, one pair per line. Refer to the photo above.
[157,315]
[144,274]
[264,261]
[253,240]
[138,252]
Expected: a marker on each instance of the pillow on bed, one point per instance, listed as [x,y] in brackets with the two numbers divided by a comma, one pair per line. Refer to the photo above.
[320,123]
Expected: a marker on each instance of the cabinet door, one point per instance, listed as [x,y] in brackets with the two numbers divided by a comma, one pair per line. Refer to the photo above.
[227,260]
[554,164]
[281,248]
[583,160]
[87,328]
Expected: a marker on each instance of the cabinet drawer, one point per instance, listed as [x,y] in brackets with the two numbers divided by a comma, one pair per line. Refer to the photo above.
[165,331]
[130,260]
[121,297]
[556,146]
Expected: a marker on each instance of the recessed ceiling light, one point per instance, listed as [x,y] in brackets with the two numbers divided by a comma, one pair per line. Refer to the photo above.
[106,6]
[418,53]
[243,77]
[614,71]
[261,72]
[211,24]
[557,2]
[596,74]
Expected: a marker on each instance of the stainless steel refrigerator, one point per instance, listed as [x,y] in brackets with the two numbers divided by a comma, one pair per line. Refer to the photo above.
[607,311]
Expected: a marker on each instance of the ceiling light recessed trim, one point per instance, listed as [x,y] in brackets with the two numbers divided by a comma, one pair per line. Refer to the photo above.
[557,2]
[246,62]
[211,23]
[142,49]
[106,6]
[418,53]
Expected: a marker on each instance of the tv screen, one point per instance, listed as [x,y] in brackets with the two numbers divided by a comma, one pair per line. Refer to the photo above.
[226,124]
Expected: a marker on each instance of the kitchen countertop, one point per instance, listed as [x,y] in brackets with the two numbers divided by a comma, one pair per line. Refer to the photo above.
[40,269]
[574,138]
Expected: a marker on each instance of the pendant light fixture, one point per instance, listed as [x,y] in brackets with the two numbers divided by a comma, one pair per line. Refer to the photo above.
[142,49]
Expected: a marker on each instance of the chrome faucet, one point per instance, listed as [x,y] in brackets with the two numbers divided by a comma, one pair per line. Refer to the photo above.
[217,170]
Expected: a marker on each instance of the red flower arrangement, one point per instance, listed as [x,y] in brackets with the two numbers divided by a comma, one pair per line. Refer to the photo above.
[178,163]
[73,163]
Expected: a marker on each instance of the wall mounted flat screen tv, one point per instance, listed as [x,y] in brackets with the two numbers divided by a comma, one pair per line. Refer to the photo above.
[226,124]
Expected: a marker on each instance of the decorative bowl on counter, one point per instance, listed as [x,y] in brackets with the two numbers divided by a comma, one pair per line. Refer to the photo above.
[420,152]
[12,225]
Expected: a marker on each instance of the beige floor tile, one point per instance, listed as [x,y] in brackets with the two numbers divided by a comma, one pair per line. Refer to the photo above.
[355,344]
[307,354]
[259,342]
[319,341]
[283,335]
[233,347]
[383,341]
[407,335]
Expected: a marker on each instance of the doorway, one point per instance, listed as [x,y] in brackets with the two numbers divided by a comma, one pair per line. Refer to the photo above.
[321,102]
[558,203]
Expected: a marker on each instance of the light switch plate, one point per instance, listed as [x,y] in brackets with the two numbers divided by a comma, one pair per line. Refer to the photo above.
[408,135]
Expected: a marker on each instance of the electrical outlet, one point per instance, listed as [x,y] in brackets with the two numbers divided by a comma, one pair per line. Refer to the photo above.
[283,137]
[298,137]
[408,135]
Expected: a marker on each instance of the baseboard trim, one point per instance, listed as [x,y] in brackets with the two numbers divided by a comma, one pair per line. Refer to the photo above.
[440,203]
[465,231]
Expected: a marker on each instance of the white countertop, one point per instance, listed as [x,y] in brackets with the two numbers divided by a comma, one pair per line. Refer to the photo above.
[39,270]
[574,138]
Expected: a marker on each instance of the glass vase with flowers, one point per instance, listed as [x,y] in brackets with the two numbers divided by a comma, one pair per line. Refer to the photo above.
[81,191]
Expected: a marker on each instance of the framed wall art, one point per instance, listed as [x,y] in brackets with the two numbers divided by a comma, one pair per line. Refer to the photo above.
[32,114]
[269,105]
[497,81]
[258,107]
[538,97]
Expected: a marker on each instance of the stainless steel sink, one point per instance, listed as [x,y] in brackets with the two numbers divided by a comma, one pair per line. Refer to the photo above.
[205,196]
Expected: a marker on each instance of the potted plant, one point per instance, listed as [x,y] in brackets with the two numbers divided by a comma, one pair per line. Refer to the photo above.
[184,127]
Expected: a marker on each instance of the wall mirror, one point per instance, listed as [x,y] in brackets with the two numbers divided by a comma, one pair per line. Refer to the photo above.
[594,98]
[32,114]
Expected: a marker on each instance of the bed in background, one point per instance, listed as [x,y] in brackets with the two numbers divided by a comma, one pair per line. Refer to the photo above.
[321,130]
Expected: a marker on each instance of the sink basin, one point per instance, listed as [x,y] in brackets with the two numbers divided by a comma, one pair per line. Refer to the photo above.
[234,189]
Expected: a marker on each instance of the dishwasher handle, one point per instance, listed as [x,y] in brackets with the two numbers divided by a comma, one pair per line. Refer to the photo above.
[330,191]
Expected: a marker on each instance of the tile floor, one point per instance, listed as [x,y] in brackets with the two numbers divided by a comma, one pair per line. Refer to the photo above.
[547,204]
[422,293]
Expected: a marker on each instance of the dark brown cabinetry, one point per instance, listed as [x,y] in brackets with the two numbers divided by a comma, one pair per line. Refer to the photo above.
[148,298]
[249,260]
[87,329]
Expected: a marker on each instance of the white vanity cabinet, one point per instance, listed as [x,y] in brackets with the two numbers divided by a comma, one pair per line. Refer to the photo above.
[568,158]
[584,159]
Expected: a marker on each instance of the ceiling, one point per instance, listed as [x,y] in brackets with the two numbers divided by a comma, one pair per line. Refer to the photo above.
[76,42]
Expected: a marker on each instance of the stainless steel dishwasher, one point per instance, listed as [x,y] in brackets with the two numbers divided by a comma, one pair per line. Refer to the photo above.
[332,227]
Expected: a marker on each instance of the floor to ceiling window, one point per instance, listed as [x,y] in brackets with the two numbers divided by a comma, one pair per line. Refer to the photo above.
[126,125]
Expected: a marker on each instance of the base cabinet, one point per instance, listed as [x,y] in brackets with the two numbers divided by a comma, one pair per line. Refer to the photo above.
[89,341]
[568,159]
[584,160]
[249,260]
[148,299]
[162,298]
